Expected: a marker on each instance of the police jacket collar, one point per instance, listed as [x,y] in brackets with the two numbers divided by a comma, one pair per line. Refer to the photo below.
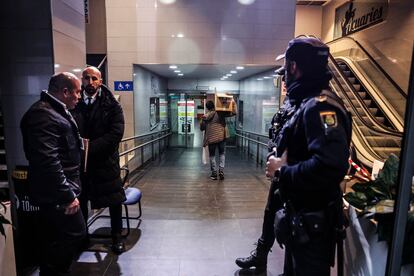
[305,88]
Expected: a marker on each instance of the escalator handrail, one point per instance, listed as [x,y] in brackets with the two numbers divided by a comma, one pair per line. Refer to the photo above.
[352,88]
[388,77]
[380,132]
[367,91]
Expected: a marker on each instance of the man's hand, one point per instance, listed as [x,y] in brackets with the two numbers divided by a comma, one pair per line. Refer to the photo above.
[275,163]
[72,208]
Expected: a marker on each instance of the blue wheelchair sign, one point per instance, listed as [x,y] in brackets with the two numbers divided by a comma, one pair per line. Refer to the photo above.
[124,85]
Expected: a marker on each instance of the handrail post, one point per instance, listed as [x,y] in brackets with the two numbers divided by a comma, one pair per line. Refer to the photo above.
[125,147]
[142,156]
[159,147]
[257,152]
[152,147]
[248,146]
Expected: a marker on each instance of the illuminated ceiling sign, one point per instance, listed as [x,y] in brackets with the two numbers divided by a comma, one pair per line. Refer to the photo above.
[356,15]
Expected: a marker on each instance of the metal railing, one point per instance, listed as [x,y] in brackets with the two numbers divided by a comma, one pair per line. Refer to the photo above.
[154,137]
[162,135]
[244,138]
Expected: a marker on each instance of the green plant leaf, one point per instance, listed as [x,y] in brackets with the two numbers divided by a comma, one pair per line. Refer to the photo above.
[357,199]
[388,176]
[361,187]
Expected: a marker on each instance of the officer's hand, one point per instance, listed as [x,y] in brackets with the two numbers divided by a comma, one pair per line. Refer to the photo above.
[72,208]
[275,163]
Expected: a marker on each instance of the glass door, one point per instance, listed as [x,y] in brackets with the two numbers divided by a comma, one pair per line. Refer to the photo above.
[185,112]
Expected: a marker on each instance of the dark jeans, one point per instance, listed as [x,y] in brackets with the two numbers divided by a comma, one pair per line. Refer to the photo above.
[212,154]
[61,236]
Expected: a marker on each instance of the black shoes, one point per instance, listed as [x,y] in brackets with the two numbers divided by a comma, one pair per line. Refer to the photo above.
[260,263]
[118,245]
[221,175]
[257,259]
[213,175]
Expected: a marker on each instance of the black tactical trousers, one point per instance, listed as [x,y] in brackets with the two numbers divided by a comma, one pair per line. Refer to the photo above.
[60,236]
[273,204]
[310,259]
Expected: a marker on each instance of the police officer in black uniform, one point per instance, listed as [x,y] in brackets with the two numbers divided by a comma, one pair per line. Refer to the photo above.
[311,161]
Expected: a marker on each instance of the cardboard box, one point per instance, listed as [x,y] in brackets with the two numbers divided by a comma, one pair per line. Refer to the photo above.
[222,102]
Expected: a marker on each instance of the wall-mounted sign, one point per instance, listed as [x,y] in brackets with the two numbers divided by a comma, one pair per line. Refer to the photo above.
[163,113]
[357,15]
[124,85]
[86,5]
[154,112]
[269,109]
[185,120]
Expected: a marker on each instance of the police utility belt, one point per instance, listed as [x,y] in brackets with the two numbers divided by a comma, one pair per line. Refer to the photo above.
[300,226]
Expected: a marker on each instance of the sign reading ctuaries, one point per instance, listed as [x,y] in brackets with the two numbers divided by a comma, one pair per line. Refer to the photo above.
[357,15]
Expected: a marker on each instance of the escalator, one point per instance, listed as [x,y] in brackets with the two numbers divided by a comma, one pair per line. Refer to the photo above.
[376,104]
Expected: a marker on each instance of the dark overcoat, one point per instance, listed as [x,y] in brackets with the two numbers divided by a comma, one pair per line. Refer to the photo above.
[52,146]
[103,124]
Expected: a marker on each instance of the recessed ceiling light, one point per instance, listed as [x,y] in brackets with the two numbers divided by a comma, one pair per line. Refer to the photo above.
[274,76]
[239,67]
[266,77]
[233,72]
[180,35]
[181,75]
[173,66]
[77,70]
[259,79]
[177,71]
[134,74]
[57,65]
[229,75]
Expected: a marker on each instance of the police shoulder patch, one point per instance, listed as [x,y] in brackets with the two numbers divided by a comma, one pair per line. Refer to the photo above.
[321,98]
[329,119]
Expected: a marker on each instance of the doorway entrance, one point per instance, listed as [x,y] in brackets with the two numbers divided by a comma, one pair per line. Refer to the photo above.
[185,113]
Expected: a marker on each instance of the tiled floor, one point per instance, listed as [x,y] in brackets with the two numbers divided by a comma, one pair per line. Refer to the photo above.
[191,225]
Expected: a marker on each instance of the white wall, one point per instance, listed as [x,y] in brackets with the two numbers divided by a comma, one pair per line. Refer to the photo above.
[308,20]
[215,32]
[96,28]
[253,93]
[68,24]
[146,85]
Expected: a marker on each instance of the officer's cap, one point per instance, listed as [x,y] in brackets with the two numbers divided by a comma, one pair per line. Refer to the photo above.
[280,71]
[305,50]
